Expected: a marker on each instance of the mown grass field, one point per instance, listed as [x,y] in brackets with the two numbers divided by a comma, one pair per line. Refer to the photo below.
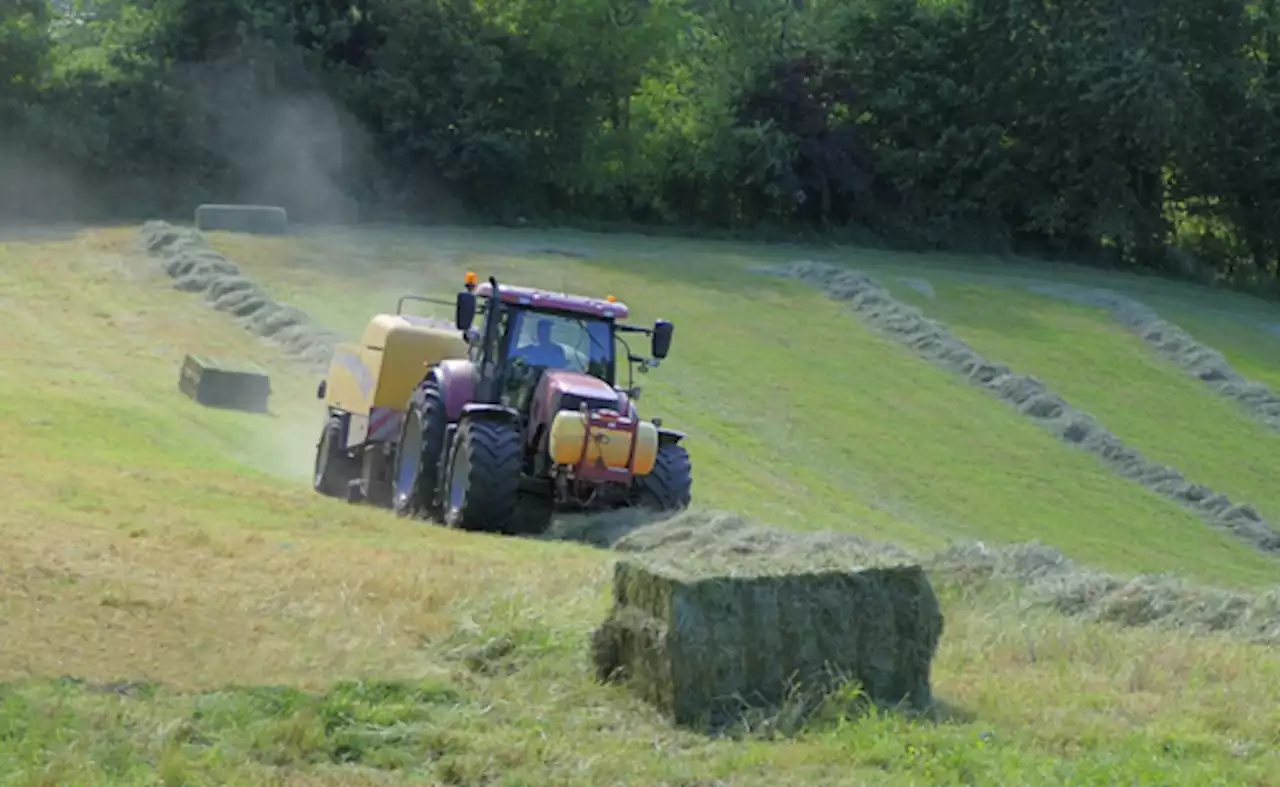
[274,637]
[801,417]
[1101,367]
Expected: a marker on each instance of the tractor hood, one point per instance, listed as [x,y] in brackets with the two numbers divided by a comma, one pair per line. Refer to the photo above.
[564,390]
[575,387]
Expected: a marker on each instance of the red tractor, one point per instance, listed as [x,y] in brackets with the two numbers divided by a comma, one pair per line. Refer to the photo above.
[533,421]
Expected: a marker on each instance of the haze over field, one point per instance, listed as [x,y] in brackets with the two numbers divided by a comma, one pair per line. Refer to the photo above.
[1079,453]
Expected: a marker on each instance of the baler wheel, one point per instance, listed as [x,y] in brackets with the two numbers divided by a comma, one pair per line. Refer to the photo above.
[334,468]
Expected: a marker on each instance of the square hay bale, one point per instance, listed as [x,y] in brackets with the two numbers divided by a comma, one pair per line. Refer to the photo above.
[701,647]
[254,219]
[215,382]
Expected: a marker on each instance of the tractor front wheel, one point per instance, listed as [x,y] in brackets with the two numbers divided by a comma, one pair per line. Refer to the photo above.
[669,486]
[415,473]
[483,486]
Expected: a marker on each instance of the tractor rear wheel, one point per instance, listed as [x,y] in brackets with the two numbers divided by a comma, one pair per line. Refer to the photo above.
[483,485]
[415,474]
[334,467]
[669,486]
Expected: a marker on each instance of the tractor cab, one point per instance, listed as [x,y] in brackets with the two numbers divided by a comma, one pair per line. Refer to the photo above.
[555,340]
[553,346]
[540,353]
[534,342]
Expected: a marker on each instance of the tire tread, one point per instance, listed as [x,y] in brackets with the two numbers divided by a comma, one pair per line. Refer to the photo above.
[669,486]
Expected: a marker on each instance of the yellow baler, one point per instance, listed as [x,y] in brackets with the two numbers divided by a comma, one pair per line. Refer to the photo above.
[372,381]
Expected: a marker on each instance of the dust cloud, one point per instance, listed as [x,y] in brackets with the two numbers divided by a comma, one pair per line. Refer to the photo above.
[255,126]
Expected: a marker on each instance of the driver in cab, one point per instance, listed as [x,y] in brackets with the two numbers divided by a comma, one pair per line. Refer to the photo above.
[543,352]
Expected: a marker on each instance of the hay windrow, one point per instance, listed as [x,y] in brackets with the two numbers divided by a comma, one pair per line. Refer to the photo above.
[1048,579]
[1179,347]
[1042,576]
[195,266]
[929,338]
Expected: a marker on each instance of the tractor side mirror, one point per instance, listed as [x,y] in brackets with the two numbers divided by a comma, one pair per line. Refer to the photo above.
[465,312]
[662,331]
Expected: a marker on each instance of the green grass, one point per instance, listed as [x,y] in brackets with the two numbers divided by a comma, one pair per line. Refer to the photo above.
[1106,370]
[1235,324]
[438,733]
[1252,349]
[275,637]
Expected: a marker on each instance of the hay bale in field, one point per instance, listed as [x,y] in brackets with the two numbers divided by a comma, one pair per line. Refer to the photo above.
[703,646]
[216,382]
[256,219]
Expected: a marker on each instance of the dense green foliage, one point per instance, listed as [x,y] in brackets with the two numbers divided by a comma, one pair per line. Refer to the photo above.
[1114,127]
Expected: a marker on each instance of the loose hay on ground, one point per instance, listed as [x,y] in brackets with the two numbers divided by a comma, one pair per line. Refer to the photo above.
[1032,398]
[716,536]
[704,642]
[195,266]
[1046,578]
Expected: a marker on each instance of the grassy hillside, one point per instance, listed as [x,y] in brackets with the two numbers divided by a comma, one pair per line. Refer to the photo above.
[799,416]
[1101,367]
[170,564]
[1243,328]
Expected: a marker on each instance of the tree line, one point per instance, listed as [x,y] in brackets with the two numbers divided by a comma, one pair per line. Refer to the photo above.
[1139,132]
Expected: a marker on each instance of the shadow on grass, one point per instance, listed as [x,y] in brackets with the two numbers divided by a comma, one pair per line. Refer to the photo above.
[603,530]
[799,714]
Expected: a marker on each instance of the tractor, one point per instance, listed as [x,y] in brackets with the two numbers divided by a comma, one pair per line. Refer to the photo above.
[522,418]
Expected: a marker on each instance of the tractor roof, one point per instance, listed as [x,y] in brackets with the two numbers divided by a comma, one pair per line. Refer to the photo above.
[532,298]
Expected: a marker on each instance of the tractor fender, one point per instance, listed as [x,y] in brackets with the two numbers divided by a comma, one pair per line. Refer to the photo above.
[456,380]
[669,436]
[475,412]
[489,412]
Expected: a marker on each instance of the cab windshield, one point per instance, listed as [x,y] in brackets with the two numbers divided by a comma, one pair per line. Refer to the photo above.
[558,341]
